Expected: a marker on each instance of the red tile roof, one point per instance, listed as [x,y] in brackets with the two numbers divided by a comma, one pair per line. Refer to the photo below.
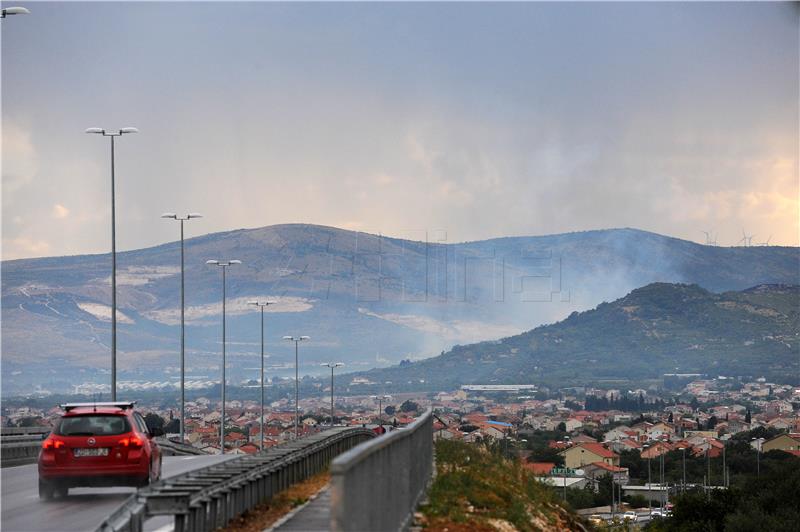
[598,449]
[607,467]
[539,468]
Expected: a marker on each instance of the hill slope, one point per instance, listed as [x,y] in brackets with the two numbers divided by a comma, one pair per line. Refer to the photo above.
[365,299]
[660,328]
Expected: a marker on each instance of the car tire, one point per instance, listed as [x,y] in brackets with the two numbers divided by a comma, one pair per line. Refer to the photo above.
[46,490]
[62,491]
[148,479]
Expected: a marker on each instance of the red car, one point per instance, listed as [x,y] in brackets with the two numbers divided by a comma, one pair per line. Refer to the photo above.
[98,444]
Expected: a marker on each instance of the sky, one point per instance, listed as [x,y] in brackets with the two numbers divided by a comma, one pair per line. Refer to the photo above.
[468,120]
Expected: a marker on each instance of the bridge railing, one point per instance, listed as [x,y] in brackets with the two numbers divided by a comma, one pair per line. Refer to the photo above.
[21,445]
[377,485]
[208,498]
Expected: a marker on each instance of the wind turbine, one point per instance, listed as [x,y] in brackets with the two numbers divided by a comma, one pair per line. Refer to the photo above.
[767,242]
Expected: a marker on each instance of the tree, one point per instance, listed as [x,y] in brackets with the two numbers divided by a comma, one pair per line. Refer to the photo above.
[153,421]
[747,418]
[670,419]
[173,427]
[409,406]
[562,427]
[390,410]
[711,423]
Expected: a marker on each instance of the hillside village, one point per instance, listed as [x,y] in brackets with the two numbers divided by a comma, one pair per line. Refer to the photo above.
[601,424]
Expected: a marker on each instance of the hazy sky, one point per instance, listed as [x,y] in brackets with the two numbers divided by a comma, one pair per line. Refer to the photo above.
[477,119]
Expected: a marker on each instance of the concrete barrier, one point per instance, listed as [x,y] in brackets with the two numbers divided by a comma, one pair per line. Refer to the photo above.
[376,486]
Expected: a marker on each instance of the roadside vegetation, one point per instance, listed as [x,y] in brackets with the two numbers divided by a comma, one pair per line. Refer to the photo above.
[476,488]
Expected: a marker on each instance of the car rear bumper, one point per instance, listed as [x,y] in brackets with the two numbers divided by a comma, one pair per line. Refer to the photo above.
[118,475]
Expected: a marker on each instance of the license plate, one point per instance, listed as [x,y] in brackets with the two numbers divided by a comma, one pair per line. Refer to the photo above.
[102,451]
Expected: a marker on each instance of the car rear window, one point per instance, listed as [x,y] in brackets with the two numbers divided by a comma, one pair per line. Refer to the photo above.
[93,425]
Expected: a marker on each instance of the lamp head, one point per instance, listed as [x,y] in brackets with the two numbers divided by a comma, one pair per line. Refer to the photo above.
[128,130]
[170,215]
[96,130]
[194,215]
[15,11]
[215,262]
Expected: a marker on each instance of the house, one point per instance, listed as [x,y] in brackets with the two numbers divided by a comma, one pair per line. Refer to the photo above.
[596,470]
[782,442]
[586,453]
[617,433]
[655,450]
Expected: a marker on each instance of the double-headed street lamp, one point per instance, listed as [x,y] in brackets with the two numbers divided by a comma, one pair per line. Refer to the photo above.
[14,11]
[224,265]
[113,134]
[332,366]
[182,219]
[380,399]
[261,305]
[296,340]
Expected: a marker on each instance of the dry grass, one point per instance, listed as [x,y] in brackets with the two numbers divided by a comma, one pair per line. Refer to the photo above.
[265,515]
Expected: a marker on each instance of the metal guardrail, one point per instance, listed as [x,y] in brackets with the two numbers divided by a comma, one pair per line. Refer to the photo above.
[208,498]
[376,486]
[171,448]
[21,445]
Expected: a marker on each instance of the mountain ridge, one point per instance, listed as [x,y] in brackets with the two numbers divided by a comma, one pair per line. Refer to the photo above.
[366,299]
[754,332]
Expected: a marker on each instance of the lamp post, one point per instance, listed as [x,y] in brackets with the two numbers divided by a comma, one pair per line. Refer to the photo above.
[661,472]
[112,134]
[380,399]
[649,497]
[173,216]
[683,485]
[224,265]
[332,366]
[261,305]
[724,467]
[296,340]
[14,11]
[758,456]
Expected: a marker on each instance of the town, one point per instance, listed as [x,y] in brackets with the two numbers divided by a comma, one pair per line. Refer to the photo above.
[611,448]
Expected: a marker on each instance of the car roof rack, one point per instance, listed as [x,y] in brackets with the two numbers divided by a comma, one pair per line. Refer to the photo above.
[122,405]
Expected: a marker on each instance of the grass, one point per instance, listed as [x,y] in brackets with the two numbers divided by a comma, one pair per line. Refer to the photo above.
[266,514]
[476,489]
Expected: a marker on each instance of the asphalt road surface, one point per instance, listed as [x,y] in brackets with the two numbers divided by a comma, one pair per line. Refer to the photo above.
[84,509]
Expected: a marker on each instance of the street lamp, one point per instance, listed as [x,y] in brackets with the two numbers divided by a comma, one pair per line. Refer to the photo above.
[224,265]
[758,456]
[296,340]
[380,399]
[14,11]
[649,496]
[261,305]
[182,219]
[332,366]
[683,452]
[112,134]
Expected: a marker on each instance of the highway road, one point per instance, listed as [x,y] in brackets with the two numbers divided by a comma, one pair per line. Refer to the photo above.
[84,509]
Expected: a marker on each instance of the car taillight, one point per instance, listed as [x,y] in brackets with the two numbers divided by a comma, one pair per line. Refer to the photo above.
[133,442]
[52,443]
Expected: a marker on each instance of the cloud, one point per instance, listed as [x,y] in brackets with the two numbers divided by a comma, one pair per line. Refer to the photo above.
[25,247]
[19,157]
[60,212]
